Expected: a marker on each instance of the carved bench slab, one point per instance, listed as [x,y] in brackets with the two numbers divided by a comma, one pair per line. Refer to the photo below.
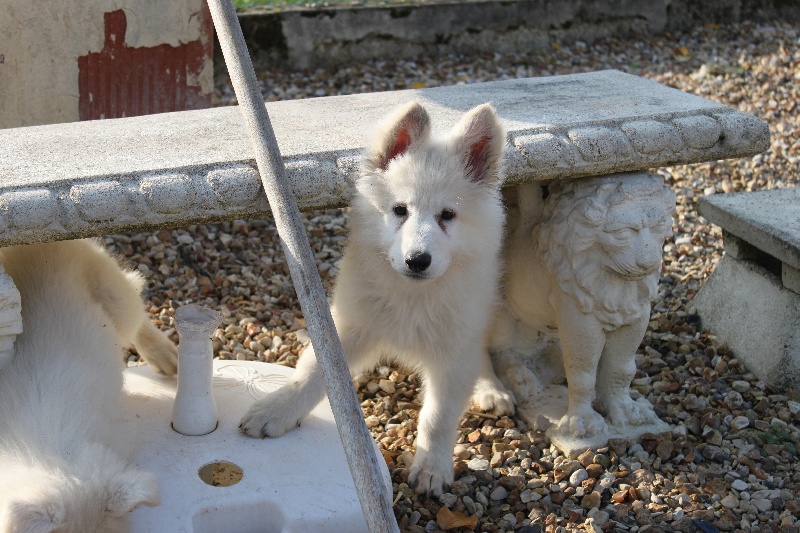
[752,299]
[94,178]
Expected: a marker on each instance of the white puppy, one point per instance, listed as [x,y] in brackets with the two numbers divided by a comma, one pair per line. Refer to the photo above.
[418,281]
[60,466]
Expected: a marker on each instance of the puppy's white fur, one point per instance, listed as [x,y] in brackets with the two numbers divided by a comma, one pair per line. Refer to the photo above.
[61,465]
[418,281]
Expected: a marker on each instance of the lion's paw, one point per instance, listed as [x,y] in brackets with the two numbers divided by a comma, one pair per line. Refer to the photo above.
[624,411]
[584,423]
[430,474]
[271,416]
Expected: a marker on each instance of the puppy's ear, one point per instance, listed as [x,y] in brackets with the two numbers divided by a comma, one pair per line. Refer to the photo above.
[480,140]
[131,489]
[32,517]
[408,126]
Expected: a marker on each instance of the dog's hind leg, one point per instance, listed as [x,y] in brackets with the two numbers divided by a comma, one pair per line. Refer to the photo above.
[119,294]
[489,393]
[156,349]
[284,409]
[447,391]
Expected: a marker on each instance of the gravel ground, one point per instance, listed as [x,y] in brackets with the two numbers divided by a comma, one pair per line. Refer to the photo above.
[730,463]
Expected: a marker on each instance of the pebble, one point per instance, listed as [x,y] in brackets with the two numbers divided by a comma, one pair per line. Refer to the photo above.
[498,493]
[448,500]
[595,470]
[387,386]
[238,268]
[740,386]
[591,500]
[762,505]
[740,485]
[730,501]
[600,518]
[739,423]
[511,519]
[578,477]
[469,504]
[478,464]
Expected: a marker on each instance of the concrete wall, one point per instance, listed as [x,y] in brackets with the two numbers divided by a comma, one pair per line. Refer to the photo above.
[41,42]
[325,36]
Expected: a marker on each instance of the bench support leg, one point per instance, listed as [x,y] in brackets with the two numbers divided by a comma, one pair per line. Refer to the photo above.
[752,308]
[10,317]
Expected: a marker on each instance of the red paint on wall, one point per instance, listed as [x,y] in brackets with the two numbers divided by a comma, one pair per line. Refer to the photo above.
[120,81]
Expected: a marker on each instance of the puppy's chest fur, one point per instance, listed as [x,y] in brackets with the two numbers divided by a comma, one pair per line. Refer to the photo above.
[408,316]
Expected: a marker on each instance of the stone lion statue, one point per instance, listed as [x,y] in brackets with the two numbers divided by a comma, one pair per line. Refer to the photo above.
[583,259]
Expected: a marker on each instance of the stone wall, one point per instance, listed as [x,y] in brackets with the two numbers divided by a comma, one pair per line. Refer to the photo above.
[67,60]
[340,35]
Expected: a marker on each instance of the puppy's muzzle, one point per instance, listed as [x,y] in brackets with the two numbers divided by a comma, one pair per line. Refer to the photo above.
[418,262]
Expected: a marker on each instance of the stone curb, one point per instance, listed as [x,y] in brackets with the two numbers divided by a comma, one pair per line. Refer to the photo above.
[334,35]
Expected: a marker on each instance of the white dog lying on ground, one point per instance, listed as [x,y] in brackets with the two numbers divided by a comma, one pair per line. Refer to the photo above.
[418,281]
[60,466]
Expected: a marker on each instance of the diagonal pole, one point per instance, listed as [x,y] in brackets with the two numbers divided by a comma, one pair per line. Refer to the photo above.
[376,502]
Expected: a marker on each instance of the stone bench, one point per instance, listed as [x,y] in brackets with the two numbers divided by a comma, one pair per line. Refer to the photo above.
[96,178]
[752,299]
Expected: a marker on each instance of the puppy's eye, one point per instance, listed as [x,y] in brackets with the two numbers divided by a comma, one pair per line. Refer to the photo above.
[400,210]
[447,214]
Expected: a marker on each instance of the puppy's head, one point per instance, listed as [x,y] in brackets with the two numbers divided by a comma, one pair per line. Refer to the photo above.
[55,501]
[429,202]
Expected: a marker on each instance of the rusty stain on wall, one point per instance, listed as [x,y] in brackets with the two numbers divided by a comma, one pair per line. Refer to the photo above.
[121,81]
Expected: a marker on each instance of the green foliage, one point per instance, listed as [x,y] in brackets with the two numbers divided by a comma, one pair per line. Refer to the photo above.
[777,435]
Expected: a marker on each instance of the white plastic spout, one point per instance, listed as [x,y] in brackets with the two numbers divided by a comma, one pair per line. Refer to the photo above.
[195,411]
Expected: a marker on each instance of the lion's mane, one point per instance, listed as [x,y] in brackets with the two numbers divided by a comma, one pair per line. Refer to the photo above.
[574,214]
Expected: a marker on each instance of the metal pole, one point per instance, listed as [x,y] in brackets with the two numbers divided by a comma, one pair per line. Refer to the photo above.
[376,503]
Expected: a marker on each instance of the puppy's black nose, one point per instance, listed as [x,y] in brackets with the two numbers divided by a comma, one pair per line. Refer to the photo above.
[418,261]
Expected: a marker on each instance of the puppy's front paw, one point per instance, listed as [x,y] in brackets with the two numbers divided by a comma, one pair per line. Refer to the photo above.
[430,475]
[493,397]
[272,416]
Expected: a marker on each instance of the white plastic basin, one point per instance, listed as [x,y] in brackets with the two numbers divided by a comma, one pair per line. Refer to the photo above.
[298,483]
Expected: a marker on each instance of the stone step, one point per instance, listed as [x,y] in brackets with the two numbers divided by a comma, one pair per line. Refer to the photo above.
[752,299]
[330,33]
[768,220]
